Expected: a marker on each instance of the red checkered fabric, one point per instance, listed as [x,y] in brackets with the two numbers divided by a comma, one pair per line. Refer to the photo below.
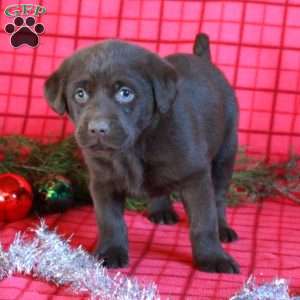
[256,43]
[268,247]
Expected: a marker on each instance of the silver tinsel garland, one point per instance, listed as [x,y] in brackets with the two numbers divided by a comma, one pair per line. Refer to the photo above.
[275,290]
[49,257]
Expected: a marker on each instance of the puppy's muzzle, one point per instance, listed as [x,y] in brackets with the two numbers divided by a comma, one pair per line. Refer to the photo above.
[105,134]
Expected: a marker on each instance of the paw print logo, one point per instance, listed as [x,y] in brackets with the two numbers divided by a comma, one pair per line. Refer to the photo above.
[24,33]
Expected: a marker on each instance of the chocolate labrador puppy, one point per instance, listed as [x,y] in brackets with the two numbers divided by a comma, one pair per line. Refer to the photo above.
[148,126]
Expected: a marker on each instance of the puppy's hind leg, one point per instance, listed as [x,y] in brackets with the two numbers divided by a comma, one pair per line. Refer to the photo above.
[222,169]
[160,211]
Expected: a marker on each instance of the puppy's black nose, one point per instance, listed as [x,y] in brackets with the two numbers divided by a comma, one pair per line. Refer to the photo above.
[100,127]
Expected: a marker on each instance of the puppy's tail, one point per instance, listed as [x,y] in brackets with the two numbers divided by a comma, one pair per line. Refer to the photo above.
[201,46]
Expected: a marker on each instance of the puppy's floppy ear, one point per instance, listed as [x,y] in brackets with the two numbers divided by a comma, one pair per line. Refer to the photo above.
[54,91]
[164,78]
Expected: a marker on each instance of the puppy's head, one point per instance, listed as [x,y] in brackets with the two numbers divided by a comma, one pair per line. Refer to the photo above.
[111,91]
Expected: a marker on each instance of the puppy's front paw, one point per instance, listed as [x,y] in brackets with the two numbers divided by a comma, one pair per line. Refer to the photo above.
[113,257]
[164,216]
[218,263]
[227,234]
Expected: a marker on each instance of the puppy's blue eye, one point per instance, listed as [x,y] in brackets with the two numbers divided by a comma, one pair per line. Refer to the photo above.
[81,96]
[124,95]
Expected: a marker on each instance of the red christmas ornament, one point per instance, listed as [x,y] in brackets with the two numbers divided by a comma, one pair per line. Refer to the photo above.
[15,197]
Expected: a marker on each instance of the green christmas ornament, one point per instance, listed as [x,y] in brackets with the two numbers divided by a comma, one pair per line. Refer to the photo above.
[55,194]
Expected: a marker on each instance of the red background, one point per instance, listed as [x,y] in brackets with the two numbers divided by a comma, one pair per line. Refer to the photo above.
[256,44]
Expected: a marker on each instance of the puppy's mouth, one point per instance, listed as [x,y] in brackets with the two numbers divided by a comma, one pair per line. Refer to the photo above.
[116,143]
[99,147]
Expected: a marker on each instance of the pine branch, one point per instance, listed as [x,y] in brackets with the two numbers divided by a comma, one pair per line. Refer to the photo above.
[252,180]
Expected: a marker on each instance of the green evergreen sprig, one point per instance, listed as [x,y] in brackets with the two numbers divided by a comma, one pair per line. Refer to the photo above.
[256,180]
[252,180]
[36,161]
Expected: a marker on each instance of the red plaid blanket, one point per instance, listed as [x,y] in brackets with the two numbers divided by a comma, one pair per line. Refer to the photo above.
[268,247]
[256,43]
